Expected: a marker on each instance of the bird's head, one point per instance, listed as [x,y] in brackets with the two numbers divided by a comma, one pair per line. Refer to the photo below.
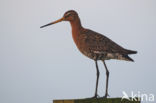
[70,16]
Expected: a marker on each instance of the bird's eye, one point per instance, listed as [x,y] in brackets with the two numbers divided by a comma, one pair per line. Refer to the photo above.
[68,14]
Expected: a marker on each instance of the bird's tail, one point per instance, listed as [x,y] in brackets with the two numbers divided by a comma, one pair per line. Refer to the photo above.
[131,52]
[127,58]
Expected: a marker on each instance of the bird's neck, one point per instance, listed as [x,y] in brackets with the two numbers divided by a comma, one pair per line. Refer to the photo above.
[76,28]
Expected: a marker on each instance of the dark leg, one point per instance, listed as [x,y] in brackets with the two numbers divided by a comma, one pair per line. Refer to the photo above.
[97,79]
[107,78]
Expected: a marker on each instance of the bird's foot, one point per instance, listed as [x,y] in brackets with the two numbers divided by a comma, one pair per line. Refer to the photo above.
[95,96]
[106,95]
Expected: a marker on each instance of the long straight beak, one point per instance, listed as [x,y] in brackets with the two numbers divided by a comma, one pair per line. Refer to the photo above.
[53,22]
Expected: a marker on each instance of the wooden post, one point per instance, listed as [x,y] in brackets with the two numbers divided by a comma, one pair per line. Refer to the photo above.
[99,100]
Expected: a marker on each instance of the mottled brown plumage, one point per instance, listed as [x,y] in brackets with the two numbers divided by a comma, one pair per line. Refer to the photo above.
[99,47]
[94,45]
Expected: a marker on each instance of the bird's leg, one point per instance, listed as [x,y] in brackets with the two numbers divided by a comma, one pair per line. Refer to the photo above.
[107,78]
[97,79]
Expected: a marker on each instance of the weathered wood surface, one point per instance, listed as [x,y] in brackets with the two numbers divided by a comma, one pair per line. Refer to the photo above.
[99,100]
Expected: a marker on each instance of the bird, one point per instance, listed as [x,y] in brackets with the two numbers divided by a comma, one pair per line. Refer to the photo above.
[94,45]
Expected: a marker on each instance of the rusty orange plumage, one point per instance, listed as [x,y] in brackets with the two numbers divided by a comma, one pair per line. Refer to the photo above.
[94,45]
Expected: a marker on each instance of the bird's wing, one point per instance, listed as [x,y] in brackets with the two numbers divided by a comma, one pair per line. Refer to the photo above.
[99,43]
